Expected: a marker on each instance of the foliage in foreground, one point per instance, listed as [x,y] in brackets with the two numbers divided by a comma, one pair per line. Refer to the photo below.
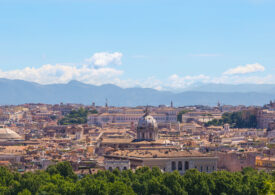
[60,179]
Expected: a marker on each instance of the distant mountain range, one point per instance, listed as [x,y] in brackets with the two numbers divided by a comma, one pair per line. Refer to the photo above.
[259,88]
[19,92]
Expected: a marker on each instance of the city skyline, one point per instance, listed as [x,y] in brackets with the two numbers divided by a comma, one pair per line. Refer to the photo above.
[125,97]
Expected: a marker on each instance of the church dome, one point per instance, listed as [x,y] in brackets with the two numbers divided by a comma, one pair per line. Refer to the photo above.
[8,134]
[147,128]
[146,122]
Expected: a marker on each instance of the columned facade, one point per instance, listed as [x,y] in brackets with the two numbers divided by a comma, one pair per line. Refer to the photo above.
[202,164]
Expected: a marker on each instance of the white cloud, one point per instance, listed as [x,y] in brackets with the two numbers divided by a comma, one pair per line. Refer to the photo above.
[237,79]
[105,58]
[248,68]
[180,82]
[48,74]
[177,82]
[98,74]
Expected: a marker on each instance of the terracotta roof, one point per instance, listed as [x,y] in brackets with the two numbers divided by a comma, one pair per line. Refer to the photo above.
[162,153]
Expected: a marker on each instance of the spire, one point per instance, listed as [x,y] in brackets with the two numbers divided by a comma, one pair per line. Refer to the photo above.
[106,103]
[146,111]
[171,104]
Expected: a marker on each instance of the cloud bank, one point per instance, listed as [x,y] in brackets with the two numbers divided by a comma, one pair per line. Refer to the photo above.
[248,68]
[96,72]
[49,74]
[105,58]
[99,69]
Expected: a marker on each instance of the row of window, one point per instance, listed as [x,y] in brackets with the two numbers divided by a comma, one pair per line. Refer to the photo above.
[136,119]
[186,167]
[111,168]
[143,136]
[180,167]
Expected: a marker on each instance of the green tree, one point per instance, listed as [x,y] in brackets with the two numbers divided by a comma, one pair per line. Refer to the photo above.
[119,188]
[25,192]
[241,119]
[59,179]
[179,116]
[63,168]
[76,117]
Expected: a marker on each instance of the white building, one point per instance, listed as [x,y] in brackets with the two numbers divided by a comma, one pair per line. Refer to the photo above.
[117,164]
[101,119]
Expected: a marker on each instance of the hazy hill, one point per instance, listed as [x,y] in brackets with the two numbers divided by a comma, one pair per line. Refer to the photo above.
[260,88]
[19,92]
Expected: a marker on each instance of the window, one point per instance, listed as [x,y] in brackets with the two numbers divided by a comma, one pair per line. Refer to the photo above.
[143,136]
[186,165]
[173,165]
[125,168]
[110,168]
[201,168]
[207,169]
[213,168]
[150,135]
[180,166]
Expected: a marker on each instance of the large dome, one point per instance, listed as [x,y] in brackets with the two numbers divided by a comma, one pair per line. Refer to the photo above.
[8,134]
[147,121]
[147,128]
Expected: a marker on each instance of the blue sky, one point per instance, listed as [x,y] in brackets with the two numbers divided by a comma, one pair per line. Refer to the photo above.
[149,43]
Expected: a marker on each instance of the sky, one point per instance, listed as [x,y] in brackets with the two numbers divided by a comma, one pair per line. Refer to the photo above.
[160,44]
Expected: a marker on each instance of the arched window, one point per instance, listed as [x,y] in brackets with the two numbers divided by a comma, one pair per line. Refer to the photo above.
[124,168]
[173,165]
[201,168]
[143,136]
[180,166]
[186,165]
[110,168]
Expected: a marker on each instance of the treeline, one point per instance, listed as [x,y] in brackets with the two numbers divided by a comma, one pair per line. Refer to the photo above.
[60,179]
[76,117]
[241,119]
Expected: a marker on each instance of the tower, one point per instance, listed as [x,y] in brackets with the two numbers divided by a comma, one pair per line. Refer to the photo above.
[106,103]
